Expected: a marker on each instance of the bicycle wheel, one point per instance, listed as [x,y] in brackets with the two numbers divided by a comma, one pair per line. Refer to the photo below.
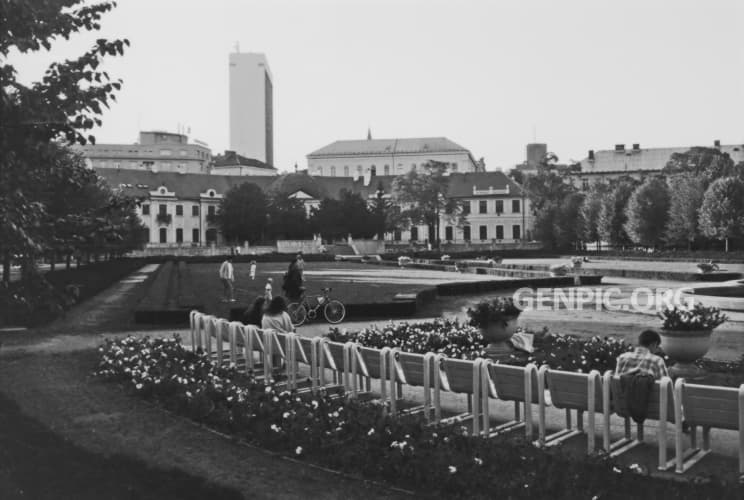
[297,313]
[334,312]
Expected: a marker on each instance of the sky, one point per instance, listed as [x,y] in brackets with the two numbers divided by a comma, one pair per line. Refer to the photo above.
[489,75]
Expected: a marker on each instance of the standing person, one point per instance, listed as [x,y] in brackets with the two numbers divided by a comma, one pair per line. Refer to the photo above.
[276,316]
[293,279]
[268,290]
[228,277]
[253,270]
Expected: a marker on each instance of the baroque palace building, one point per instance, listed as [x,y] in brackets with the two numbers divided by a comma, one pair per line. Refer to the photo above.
[175,206]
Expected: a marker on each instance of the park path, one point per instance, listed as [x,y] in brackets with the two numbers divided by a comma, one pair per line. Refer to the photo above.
[48,374]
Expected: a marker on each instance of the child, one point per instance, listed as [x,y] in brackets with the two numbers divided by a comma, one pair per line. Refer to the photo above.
[268,290]
[253,270]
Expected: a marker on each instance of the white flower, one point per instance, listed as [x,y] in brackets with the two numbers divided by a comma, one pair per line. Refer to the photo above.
[138,386]
[371,431]
[285,415]
[452,469]
[275,428]
[298,450]
[315,404]
[188,394]
[615,469]
[268,389]
[478,461]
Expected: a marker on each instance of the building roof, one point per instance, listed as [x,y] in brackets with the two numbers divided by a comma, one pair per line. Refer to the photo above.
[233,159]
[139,183]
[642,160]
[365,147]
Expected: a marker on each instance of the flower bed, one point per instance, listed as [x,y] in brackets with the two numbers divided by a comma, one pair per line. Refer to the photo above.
[455,340]
[356,437]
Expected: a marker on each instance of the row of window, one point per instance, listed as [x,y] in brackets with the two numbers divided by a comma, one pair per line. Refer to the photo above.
[163,210]
[211,236]
[373,169]
[483,233]
[516,207]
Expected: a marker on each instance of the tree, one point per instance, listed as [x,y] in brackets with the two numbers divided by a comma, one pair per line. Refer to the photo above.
[349,215]
[517,175]
[590,209]
[647,212]
[612,218]
[686,193]
[242,214]
[62,106]
[287,218]
[722,212]
[385,214]
[422,194]
[708,163]
[548,191]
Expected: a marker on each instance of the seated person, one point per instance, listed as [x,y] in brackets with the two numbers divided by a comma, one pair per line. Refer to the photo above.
[643,359]
[254,314]
[276,316]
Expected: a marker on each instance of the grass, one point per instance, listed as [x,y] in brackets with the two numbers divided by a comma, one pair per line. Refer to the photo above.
[37,463]
[349,289]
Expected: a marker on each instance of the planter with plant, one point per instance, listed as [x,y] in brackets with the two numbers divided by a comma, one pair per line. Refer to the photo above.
[497,319]
[558,270]
[685,335]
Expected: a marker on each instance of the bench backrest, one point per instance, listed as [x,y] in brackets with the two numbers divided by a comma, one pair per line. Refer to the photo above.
[620,405]
[509,382]
[459,374]
[711,406]
[371,359]
[571,390]
[412,366]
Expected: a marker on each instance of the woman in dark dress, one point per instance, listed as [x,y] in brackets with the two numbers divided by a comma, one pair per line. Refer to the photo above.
[254,314]
[293,280]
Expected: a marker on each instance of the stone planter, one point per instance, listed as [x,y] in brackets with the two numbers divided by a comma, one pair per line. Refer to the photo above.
[497,335]
[685,347]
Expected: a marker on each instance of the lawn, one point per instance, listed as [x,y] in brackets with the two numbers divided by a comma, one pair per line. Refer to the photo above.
[350,283]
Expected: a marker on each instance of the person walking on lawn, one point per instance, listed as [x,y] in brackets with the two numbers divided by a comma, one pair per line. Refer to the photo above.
[227,276]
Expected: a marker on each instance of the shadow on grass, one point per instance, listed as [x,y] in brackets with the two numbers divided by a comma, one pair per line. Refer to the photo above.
[37,463]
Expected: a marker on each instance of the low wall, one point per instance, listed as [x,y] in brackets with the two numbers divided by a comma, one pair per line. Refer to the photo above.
[369,247]
[294,246]
[205,251]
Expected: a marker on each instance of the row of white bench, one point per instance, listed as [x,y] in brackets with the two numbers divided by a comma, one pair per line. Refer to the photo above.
[352,366]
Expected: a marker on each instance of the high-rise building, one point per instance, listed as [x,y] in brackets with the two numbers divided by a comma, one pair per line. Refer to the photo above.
[251,107]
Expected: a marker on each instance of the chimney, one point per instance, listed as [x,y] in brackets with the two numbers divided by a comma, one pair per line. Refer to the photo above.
[717,144]
[619,148]
[591,155]
[636,147]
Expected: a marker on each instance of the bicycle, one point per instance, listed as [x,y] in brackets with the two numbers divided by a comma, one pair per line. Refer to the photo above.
[333,310]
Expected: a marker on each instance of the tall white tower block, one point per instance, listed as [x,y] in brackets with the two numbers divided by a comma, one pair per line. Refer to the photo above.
[251,107]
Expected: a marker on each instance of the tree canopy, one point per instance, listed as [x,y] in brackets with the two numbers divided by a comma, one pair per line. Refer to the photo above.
[349,215]
[242,214]
[686,193]
[722,212]
[612,215]
[647,212]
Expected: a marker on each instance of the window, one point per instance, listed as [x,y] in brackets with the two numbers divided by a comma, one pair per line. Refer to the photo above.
[145,209]
[162,209]
[413,167]
[448,233]
[584,184]
[333,171]
[359,169]
[466,208]
[195,210]
[386,169]
[499,232]
[454,167]
[373,170]
[516,232]
[163,235]
[179,209]
[516,208]
[165,152]
[414,233]
[210,211]
[211,193]
[499,206]
[346,170]
[483,232]
[320,170]
[466,233]
[195,235]
[211,235]
[179,235]
[396,235]
[483,207]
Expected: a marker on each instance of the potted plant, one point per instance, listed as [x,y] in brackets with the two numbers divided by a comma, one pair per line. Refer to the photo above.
[707,267]
[558,270]
[577,262]
[497,319]
[685,335]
